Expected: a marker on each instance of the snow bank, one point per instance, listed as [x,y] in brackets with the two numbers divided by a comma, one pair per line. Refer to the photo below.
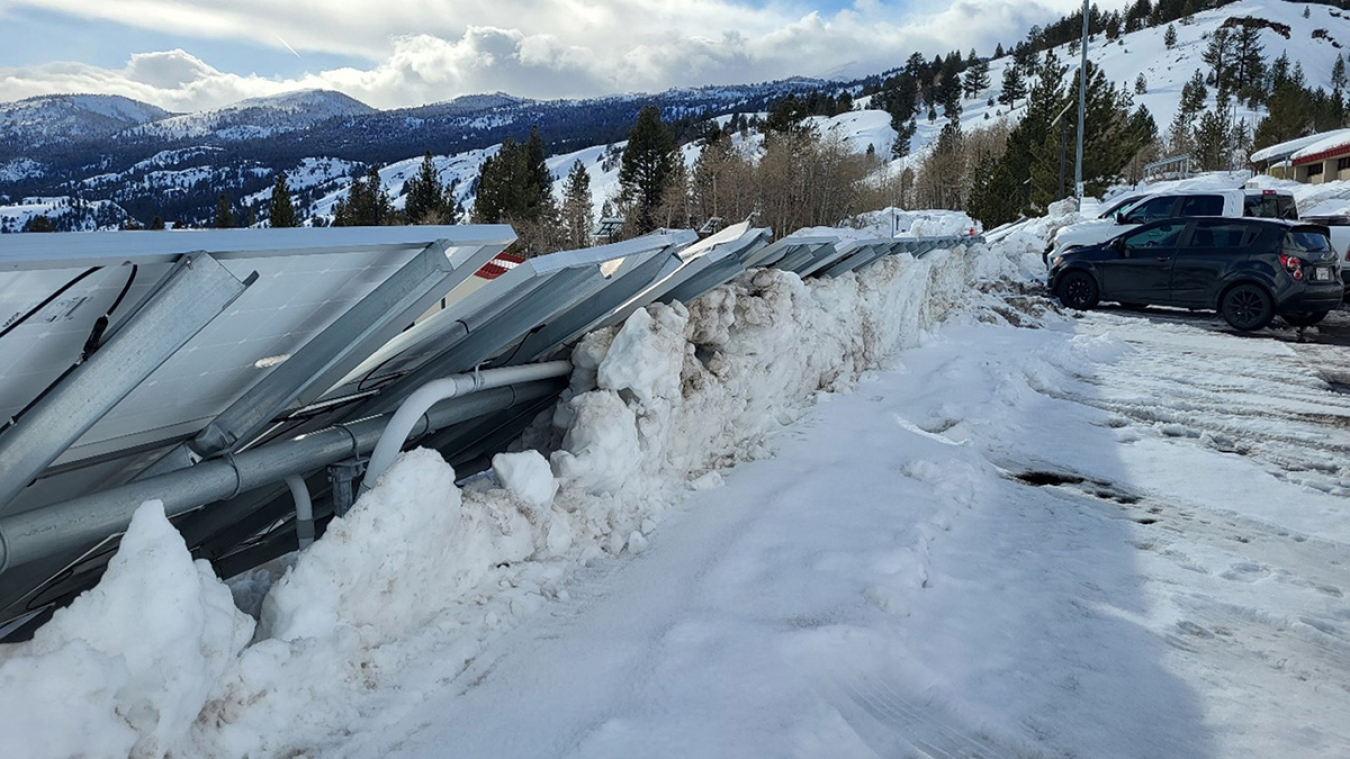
[127,667]
[423,570]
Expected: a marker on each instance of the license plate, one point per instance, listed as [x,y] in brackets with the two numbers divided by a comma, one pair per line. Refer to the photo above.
[1322,275]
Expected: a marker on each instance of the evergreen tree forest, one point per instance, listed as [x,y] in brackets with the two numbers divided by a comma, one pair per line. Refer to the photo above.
[280,211]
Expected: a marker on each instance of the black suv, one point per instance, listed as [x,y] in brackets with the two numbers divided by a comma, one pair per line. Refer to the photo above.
[1248,269]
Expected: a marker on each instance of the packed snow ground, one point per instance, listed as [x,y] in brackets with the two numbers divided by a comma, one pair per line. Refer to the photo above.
[916,508]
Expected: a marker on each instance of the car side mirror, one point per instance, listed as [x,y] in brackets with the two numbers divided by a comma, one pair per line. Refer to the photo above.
[1120,218]
[1119,245]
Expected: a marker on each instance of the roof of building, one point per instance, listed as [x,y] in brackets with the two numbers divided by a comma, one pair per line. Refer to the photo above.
[1334,143]
[1293,149]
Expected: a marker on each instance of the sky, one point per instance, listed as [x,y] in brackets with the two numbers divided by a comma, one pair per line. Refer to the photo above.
[188,55]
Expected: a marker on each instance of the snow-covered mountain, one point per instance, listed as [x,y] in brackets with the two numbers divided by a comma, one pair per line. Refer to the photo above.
[47,119]
[258,118]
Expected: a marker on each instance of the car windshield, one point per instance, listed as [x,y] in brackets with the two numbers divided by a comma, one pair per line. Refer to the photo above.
[1118,206]
[1270,206]
[1306,241]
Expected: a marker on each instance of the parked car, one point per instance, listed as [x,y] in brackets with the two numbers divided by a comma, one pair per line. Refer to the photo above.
[1249,270]
[1339,226]
[1266,204]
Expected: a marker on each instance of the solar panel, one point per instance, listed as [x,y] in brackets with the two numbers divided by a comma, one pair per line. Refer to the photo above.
[489,321]
[859,254]
[306,279]
[720,254]
[783,247]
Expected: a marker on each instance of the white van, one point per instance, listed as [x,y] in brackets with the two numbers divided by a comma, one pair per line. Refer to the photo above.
[1269,204]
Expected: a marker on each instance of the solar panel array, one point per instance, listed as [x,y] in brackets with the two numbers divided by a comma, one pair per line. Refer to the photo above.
[288,333]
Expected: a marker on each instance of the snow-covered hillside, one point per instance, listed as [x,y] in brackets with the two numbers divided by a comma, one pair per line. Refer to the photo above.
[1312,43]
[61,211]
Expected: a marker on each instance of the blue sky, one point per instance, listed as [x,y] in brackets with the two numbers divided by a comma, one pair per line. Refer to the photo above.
[187,55]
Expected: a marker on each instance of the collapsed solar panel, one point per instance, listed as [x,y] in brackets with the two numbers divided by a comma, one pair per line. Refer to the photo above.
[856,254]
[118,347]
[701,267]
[227,320]
[207,367]
[502,320]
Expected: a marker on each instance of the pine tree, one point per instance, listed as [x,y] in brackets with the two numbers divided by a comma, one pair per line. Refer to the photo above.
[976,78]
[224,215]
[515,187]
[1213,137]
[39,223]
[1249,65]
[578,212]
[1219,55]
[425,201]
[1013,87]
[280,212]
[366,205]
[1338,78]
[1140,85]
[647,167]
[903,135]
[1170,37]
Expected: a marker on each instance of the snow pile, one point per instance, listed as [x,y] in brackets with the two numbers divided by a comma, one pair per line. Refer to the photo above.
[423,570]
[127,667]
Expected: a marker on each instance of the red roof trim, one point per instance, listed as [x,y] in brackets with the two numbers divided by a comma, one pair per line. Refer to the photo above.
[499,265]
[1323,155]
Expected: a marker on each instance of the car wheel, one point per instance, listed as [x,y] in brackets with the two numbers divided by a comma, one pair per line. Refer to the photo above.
[1304,318]
[1247,307]
[1078,290]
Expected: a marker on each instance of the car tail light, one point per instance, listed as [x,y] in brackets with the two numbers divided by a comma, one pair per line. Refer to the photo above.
[1292,264]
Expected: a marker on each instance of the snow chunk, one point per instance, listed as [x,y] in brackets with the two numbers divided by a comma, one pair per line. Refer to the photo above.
[128,666]
[646,356]
[601,448]
[527,476]
[406,550]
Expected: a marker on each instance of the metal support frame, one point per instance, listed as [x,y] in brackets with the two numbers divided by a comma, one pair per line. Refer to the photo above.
[81,521]
[578,320]
[193,295]
[326,358]
[864,254]
[776,254]
[551,296]
[722,270]
[813,256]
[342,482]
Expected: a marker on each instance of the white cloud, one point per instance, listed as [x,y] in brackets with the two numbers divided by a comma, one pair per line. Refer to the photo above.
[557,48]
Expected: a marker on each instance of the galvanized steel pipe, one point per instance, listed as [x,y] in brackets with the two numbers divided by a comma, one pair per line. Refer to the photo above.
[81,521]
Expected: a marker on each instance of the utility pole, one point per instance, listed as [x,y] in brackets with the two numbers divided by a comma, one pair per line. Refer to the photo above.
[1082,112]
[1063,146]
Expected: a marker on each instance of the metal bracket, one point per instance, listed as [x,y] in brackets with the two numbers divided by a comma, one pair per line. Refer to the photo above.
[341,477]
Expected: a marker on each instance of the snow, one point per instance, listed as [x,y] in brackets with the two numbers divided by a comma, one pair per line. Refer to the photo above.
[126,669]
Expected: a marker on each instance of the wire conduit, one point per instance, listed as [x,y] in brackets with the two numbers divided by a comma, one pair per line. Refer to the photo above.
[402,423]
